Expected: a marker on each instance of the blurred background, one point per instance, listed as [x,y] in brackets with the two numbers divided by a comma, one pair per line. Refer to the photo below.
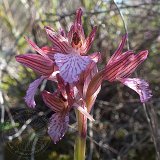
[121,130]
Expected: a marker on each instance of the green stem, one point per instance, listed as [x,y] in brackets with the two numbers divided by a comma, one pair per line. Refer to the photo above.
[80,143]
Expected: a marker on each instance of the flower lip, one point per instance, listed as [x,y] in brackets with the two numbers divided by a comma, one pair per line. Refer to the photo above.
[58,125]
[71,66]
[140,86]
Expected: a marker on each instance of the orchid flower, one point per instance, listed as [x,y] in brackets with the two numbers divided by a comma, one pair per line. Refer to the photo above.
[67,97]
[58,123]
[122,65]
[61,102]
[41,64]
[65,57]
[71,49]
[119,68]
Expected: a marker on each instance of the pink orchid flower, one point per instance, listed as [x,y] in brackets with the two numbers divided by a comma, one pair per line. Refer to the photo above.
[119,68]
[41,64]
[58,123]
[66,57]
[69,96]
[70,49]
[61,102]
[86,89]
[77,76]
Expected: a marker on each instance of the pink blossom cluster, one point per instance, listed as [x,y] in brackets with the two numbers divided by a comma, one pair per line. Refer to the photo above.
[76,73]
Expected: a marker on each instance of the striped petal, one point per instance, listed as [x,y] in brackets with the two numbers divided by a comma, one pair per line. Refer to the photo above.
[70,95]
[114,69]
[79,14]
[77,27]
[53,102]
[36,48]
[58,40]
[118,52]
[126,71]
[29,98]
[38,63]
[61,86]
[88,74]
[88,42]
[93,89]
[71,65]
[140,86]
[58,126]
[84,112]
[50,51]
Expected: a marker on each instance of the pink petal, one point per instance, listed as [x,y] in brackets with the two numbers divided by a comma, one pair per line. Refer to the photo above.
[71,65]
[114,69]
[29,98]
[53,101]
[134,63]
[36,48]
[118,52]
[58,126]
[38,63]
[79,14]
[140,86]
[88,75]
[124,65]
[77,27]
[88,42]
[59,41]
[70,33]
[93,89]
[92,99]
[84,112]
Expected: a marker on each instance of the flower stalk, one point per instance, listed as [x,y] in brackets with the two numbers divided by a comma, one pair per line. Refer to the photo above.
[80,142]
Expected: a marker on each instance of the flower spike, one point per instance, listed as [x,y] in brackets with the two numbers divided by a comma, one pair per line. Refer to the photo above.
[77,77]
